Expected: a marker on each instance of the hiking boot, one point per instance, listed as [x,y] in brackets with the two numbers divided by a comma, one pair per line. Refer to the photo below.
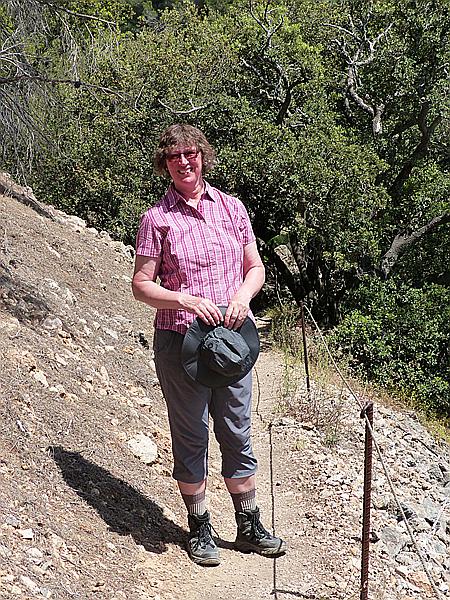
[253,537]
[201,547]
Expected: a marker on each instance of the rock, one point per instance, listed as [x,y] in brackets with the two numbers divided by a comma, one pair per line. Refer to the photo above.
[112,333]
[103,374]
[52,323]
[29,584]
[68,297]
[13,521]
[57,543]
[420,579]
[26,534]
[5,552]
[61,360]
[43,567]
[9,325]
[15,589]
[433,512]
[381,502]
[145,401]
[41,377]
[53,251]
[392,540]
[144,448]
[76,223]
[35,554]
[434,472]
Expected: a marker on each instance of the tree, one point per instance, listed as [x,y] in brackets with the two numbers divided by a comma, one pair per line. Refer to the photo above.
[382,79]
[44,45]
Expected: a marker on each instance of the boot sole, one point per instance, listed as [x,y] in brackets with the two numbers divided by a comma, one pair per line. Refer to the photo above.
[205,562]
[211,561]
[247,548]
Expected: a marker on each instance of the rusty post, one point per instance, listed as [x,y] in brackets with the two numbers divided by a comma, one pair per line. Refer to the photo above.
[305,348]
[366,411]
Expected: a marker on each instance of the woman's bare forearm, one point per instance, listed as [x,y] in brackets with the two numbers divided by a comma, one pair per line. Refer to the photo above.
[156,296]
[252,284]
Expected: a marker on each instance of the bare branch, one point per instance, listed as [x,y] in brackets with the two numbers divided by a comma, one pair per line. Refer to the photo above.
[403,241]
[75,82]
[342,29]
[260,23]
[59,8]
[27,76]
[186,111]
[257,72]
[270,31]
[361,55]
[351,89]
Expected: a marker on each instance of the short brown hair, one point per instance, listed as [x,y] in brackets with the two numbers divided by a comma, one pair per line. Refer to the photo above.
[183,134]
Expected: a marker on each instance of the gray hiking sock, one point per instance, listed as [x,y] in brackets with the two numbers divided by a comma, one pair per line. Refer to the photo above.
[196,504]
[244,500]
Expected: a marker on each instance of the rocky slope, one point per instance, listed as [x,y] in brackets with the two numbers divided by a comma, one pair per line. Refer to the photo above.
[87,512]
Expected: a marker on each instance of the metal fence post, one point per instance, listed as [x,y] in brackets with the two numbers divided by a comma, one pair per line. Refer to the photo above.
[305,348]
[367,411]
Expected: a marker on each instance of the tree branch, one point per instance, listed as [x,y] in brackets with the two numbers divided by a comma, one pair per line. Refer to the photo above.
[270,32]
[420,150]
[59,8]
[403,241]
[75,82]
[186,111]
[292,282]
[364,46]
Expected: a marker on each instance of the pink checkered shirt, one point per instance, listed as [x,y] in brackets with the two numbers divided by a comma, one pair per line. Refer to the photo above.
[201,249]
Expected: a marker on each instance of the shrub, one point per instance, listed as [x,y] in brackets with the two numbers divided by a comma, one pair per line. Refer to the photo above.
[399,336]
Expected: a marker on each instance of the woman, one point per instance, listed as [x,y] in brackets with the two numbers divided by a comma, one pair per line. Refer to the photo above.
[200,244]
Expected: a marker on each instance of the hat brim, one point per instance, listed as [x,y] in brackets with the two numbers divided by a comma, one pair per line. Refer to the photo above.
[197,370]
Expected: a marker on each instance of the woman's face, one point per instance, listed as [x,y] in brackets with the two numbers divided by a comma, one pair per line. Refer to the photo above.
[184,164]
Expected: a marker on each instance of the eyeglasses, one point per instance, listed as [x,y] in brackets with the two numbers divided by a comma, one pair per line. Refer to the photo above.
[188,155]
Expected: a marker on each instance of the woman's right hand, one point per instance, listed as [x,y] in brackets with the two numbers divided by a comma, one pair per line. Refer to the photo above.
[203,308]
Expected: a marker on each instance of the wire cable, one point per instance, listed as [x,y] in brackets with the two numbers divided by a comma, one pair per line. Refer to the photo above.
[383,464]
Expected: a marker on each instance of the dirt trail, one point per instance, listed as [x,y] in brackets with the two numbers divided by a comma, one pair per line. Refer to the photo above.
[283,503]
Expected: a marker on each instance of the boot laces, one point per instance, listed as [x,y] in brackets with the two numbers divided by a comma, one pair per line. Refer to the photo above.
[203,535]
[257,527]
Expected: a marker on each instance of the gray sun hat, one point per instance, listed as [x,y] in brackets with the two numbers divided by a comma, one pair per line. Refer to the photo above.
[216,356]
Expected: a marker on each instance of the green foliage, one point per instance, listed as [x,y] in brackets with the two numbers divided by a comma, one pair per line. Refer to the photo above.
[399,336]
[104,172]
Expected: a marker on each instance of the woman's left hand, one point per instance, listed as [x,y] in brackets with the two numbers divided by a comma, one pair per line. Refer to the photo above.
[236,313]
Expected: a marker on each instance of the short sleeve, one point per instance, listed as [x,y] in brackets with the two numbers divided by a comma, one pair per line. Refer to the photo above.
[149,238]
[245,227]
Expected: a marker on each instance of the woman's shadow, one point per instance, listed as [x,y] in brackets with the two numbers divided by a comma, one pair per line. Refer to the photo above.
[125,510]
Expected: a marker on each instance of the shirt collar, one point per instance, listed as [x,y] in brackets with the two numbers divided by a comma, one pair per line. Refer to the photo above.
[174,197]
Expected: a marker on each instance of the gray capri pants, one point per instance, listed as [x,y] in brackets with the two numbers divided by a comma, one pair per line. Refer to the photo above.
[189,405]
